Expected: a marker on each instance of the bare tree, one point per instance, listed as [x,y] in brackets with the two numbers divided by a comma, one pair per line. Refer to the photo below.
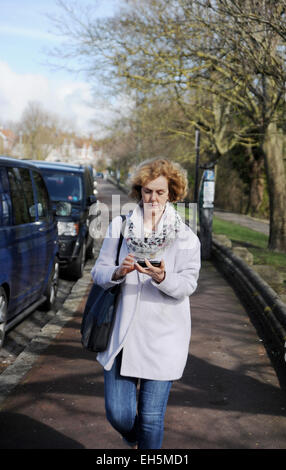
[254,56]
[224,61]
[41,131]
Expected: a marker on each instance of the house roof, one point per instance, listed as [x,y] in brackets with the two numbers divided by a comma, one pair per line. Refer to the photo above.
[8,134]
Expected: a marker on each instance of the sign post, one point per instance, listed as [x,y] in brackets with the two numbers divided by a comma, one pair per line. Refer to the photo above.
[197,147]
[206,207]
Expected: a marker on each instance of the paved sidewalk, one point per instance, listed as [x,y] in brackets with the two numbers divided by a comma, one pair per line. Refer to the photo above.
[244,220]
[228,398]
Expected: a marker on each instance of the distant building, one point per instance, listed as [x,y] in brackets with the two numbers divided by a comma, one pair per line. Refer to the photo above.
[7,140]
[65,148]
[76,150]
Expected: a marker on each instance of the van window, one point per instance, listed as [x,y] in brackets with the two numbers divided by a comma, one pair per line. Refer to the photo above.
[28,193]
[18,199]
[64,186]
[43,197]
[4,210]
[4,203]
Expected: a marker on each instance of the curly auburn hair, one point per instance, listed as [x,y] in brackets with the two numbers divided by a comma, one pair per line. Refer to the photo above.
[151,169]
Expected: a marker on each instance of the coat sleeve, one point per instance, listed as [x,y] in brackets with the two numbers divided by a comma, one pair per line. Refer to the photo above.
[182,282]
[105,264]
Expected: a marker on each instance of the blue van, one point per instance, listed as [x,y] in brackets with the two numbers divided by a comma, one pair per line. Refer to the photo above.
[71,189]
[29,265]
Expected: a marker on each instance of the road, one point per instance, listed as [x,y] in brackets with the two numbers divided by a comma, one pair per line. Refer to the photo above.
[19,337]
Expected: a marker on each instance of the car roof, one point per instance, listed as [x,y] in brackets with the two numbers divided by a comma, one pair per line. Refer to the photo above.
[15,162]
[61,166]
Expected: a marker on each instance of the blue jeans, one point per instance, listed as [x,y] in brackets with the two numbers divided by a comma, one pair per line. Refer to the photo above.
[145,427]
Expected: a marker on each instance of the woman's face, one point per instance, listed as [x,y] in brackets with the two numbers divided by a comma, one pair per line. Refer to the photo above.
[155,194]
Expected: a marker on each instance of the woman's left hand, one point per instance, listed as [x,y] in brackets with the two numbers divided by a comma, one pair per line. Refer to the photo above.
[157,273]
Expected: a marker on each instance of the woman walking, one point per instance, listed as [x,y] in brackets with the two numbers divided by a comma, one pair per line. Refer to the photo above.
[150,340]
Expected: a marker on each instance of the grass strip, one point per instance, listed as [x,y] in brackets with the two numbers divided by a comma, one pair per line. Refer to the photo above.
[254,241]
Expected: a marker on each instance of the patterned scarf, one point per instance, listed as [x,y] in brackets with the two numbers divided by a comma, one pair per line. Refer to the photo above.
[153,246]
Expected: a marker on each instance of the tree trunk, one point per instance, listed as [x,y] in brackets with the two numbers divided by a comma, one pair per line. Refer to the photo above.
[256,175]
[276,179]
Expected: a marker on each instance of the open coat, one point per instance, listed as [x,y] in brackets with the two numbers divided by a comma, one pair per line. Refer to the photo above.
[153,321]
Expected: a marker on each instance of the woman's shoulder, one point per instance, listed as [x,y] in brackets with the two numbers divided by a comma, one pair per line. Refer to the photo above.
[118,219]
[188,236]
[115,226]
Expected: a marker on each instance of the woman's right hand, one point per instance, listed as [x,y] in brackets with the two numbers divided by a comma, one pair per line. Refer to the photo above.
[125,267]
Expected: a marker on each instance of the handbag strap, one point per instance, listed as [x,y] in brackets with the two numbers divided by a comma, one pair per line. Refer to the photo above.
[123,217]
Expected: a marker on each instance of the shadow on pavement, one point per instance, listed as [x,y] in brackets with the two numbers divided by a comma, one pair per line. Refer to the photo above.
[18,431]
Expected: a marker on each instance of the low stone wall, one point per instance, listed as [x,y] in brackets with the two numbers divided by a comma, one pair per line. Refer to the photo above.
[255,292]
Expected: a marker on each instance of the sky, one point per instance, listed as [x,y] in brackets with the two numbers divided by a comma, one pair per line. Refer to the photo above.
[25,33]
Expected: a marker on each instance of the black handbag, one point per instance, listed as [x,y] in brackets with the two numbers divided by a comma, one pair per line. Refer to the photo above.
[99,313]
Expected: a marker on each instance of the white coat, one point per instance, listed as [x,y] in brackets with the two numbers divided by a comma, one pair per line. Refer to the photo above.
[153,321]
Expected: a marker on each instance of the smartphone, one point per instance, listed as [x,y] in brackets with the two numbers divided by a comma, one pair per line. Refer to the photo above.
[143,264]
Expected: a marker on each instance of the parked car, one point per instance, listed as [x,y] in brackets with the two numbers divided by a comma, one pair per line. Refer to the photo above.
[28,243]
[72,193]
